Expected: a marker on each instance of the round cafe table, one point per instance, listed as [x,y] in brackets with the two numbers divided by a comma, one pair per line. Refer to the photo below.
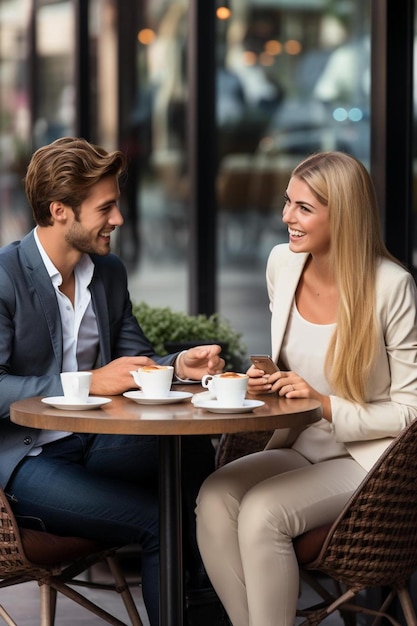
[170,422]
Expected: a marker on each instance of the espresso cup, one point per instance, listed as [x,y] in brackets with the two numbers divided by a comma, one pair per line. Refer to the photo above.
[229,388]
[76,386]
[154,380]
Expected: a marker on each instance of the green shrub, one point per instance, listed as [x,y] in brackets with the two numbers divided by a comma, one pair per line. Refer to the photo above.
[162,326]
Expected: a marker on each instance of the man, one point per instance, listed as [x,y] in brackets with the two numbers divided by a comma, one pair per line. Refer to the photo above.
[65,306]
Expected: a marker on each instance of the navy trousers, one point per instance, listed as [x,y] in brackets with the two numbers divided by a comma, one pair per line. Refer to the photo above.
[105,487]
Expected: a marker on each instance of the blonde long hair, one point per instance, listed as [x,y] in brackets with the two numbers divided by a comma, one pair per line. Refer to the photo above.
[343,184]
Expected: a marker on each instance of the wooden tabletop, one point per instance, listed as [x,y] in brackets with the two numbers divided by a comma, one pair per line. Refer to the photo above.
[124,416]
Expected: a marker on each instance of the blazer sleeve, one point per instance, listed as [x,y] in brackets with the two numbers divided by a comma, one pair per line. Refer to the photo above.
[392,400]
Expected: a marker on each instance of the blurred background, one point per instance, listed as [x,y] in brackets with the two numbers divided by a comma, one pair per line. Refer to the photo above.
[213,103]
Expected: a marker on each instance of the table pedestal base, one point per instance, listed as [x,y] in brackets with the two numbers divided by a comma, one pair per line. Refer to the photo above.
[171,567]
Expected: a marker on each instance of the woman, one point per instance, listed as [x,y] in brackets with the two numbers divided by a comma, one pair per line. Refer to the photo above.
[344,332]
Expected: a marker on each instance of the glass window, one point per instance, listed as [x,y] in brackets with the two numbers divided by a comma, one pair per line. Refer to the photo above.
[103,55]
[293,78]
[15,117]
[54,94]
[414,170]
[153,134]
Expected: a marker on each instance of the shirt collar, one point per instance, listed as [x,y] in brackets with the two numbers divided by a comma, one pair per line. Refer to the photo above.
[84,268]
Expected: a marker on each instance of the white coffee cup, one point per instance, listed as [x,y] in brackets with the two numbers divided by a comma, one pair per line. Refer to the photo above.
[229,387]
[76,386]
[154,380]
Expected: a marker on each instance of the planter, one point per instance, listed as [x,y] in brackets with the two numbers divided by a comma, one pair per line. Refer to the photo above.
[173,331]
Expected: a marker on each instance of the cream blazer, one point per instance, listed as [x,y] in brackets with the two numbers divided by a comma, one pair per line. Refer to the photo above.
[365,430]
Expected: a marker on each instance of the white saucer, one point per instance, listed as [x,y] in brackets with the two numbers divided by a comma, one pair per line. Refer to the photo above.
[59,402]
[214,407]
[198,398]
[174,396]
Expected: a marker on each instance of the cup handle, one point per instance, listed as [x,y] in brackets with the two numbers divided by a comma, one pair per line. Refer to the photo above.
[206,380]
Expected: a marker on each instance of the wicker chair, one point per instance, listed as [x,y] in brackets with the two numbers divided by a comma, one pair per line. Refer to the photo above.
[232,446]
[54,562]
[372,543]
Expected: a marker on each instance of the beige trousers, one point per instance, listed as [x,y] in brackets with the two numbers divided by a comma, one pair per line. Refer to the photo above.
[249,510]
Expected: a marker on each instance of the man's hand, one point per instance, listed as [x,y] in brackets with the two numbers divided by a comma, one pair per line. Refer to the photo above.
[196,362]
[115,377]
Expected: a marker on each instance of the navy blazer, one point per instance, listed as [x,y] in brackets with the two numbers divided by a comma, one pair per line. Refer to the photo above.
[31,345]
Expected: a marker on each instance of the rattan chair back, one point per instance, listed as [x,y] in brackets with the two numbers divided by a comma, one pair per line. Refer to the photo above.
[55,563]
[13,561]
[373,542]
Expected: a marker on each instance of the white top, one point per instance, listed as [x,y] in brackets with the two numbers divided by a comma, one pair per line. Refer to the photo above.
[304,351]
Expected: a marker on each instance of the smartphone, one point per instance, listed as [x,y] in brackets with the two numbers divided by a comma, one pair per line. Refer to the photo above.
[264,362]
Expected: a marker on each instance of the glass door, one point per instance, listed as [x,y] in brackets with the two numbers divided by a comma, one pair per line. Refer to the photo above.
[292,78]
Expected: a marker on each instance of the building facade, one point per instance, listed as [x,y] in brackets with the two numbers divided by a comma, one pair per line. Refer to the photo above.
[213,103]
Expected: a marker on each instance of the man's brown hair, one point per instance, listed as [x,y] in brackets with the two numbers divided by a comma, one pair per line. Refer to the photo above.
[64,171]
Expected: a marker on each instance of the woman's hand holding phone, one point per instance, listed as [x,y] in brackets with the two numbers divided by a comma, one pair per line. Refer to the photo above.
[263,368]
[264,375]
